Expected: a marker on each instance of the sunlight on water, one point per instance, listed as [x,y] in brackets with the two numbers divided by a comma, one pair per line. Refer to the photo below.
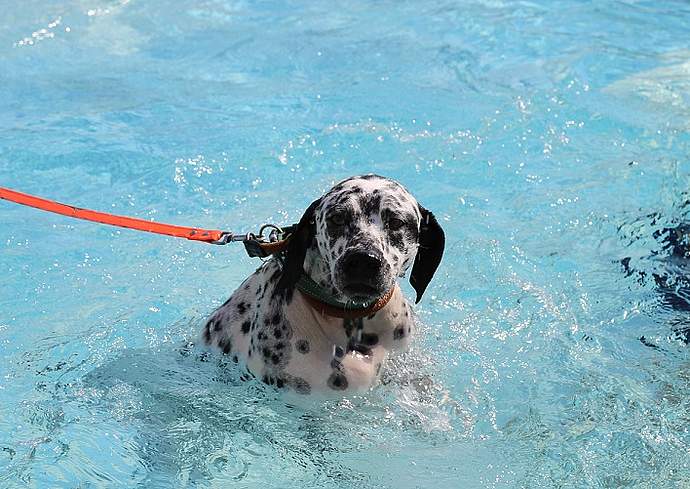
[550,138]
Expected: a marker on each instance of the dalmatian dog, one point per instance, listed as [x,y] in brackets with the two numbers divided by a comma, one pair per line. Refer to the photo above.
[353,242]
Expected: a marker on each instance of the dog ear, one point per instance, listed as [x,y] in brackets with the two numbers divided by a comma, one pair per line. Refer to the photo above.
[432,241]
[300,240]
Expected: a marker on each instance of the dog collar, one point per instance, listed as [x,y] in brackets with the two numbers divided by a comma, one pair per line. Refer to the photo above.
[326,304]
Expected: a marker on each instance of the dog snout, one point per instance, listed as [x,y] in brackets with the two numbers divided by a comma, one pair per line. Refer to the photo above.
[362,267]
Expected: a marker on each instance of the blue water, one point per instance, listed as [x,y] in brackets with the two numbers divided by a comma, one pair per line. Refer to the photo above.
[551,138]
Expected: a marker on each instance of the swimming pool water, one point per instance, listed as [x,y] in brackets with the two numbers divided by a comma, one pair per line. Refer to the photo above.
[549,137]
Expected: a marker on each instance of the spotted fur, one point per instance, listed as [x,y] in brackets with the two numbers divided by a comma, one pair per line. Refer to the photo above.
[270,327]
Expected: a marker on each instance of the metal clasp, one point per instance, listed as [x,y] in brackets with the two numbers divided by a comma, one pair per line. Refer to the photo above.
[228,237]
[274,235]
[252,242]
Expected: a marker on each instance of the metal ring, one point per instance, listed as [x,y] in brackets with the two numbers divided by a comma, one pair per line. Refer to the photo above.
[276,229]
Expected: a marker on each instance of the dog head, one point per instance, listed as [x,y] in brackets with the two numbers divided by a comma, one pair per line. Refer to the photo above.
[366,231]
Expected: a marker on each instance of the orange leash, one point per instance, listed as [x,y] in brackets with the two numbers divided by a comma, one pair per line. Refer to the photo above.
[254,244]
[194,234]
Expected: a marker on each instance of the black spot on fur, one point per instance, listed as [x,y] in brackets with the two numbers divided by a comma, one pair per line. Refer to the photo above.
[245,327]
[226,346]
[370,204]
[277,333]
[274,276]
[349,325]
[276,319]
[397,239]
[399,333]
[370,339]
[359,348]
[302,346]
[337,381]
[275,359]
[300,385]
[242,307]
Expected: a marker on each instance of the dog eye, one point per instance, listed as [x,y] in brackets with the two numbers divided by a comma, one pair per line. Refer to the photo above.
[394,223]
[337,219]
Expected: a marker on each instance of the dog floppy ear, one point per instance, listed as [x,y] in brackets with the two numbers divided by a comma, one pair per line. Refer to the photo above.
[300,240]
[432,240]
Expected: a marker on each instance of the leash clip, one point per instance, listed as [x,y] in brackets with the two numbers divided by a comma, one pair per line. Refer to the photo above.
[229,237]
[225,238]
[256,244]
[274,235]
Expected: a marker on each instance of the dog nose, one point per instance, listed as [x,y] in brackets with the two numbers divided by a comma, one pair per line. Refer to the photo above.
[362,266]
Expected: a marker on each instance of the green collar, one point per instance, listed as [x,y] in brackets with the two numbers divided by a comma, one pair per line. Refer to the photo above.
[328,305]
[308,286]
